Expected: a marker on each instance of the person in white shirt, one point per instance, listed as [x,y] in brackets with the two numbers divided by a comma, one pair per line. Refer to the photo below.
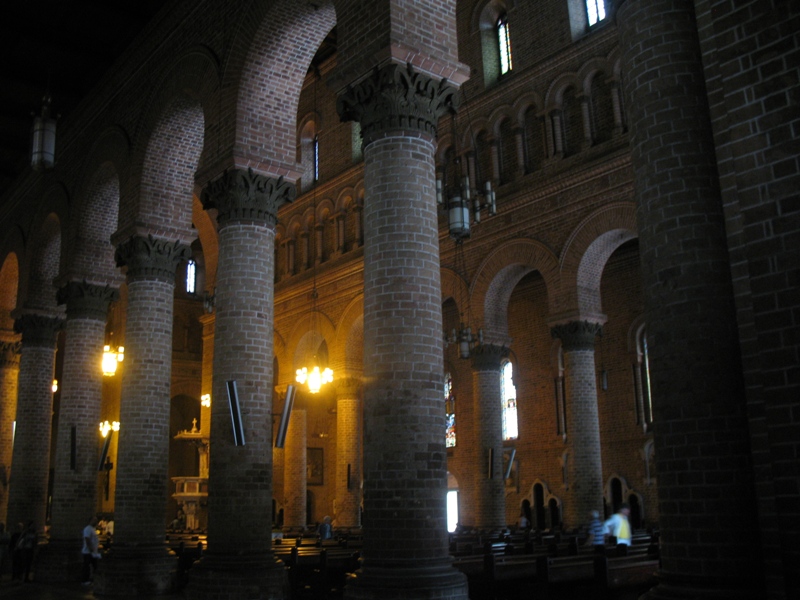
[90,551]
[619,526]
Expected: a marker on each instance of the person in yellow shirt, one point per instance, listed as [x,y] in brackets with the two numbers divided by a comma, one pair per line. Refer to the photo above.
[619,526]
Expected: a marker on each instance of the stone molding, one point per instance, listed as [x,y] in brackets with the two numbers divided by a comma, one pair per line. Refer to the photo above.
[38,330]
[488,357]
[577,335]
[394,97]
[9,354]
[86,301]
[240,195]
[347,387]
[151,258]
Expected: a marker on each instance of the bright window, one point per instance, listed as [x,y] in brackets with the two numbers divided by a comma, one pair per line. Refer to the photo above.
[450,411]
[509,397]
[504,44]
[191,276]
[316,158]
[452,510]
[596,10]
[648,397]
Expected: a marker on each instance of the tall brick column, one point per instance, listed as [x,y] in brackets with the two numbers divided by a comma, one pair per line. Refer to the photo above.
[490,501]
[9,377]
[584,468]
[348,452]
[239,561]
[139,561]
[709,538]
[77,440]
[294,471]
[405,463]
[27,498]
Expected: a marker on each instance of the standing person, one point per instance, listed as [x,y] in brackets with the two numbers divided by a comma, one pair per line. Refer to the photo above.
[26,546]
[90,551]
[597,533]
[325,529]
[619,526]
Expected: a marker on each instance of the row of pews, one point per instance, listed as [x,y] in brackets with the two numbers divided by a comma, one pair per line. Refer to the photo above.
[555,559]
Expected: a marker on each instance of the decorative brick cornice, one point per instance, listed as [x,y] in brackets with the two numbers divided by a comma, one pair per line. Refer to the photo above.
[396,97]
[488,357]
[9,354]
[38,330]
[151,258]
[577,335]
[240,195]
[86,300]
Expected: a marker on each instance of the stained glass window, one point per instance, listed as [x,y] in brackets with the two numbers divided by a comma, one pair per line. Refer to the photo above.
[450,411]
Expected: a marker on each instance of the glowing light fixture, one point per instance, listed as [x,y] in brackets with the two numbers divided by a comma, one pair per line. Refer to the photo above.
[205,400]
[43,146]
[315,378]
[105,427]
[55,386]
[111,359]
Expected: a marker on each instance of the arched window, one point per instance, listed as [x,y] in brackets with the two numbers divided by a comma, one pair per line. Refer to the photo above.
[316,158]
[191,276]
[596,11]
[450,411]
[503,44]
[508,394]
[647,396]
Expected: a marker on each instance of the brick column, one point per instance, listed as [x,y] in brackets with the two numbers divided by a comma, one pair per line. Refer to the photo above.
[9,377]
[348,452]
[584,468]
[294,471]
[139,561]
[239,561]
[27,498]
[78,439]
[490,501]
[405,551]
[709,535]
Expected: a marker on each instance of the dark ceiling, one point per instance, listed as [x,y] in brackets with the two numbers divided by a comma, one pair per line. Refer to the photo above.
[61,47]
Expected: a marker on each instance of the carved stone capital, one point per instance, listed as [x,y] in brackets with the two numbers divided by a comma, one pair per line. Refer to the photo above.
[86,300]
[151,258]
[577,335]
[395,97]
[347,387]
[38,330]
[244,195]
[9,354]
[488,357]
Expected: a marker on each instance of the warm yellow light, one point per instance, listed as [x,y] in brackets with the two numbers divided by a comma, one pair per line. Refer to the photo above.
[105,427]
[315,378]
[55,385]
[111,359]
[205,400]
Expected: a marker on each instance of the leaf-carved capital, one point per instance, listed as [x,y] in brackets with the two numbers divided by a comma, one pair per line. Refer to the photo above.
[394,98]
[9,354]
[86,301]
[38,330]
[487,357]
[577,335]
[240,195]
[151,258]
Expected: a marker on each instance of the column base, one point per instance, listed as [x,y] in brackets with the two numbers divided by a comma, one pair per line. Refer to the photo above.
[687,587]
[59,561]
[421,582]
[139,571]
[232,577]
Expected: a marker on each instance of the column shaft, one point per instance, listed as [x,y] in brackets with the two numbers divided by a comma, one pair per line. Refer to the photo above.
[294,471]
[348,456]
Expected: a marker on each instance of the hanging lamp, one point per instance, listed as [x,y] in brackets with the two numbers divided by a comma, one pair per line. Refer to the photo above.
[43,144]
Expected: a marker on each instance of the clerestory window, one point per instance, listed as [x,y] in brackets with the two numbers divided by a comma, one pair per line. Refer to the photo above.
[596,11]
[191,276]
[504,44]
[508,394]
[449,411]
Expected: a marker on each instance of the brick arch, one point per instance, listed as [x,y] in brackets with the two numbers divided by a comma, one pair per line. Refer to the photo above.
[206,228]
[454,287]
[498,115]
[345,198]
[586,252]
[308,333]
[156,199]
[589,70]
[9,288]
[347,351]
[524,103]
[499,274]
[262,82]
[554,98]
[43,265]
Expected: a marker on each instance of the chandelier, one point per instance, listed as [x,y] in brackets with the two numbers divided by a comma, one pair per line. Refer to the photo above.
[112,358]
[463,337]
